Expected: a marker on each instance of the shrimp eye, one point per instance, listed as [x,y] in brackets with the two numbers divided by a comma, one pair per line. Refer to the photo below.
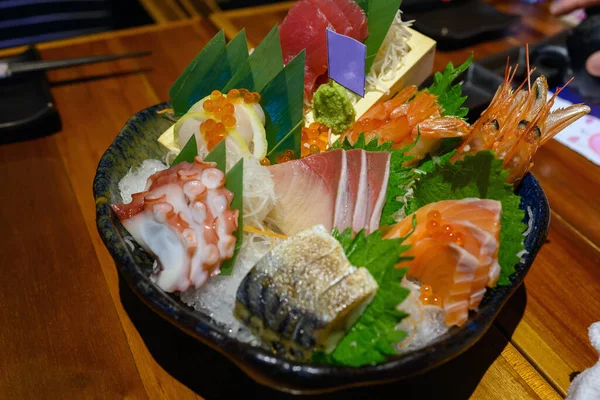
[523,124]
[537,132]
[495,124]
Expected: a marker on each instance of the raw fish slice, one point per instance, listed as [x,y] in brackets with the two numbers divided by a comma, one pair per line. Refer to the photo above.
[378,167]
[357,18]
[470,224]
[334,15]
[360,217]
[450,270]
[316,63]
[482,245]
[307,191]
[355,160]
[304,294]
[305,27]
[303,23]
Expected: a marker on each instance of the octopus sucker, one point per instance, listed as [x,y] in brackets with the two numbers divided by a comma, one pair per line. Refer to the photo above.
[184,219]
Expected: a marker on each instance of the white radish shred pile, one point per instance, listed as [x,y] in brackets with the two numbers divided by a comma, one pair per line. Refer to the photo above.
[135,181]
[391,54]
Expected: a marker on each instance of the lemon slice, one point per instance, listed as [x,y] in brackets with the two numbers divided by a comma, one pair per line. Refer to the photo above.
[249,125]
[189,125]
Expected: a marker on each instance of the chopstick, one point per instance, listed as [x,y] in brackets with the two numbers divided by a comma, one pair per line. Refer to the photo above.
[9,68]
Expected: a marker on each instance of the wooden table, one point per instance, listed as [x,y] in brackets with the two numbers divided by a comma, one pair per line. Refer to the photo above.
[70,328]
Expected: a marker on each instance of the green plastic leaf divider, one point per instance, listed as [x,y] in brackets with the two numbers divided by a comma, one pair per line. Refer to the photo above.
[260,67]
[186,89]
[188,153]
[234,182]
[380,15]
[223,68]
[218,155]
[282,101]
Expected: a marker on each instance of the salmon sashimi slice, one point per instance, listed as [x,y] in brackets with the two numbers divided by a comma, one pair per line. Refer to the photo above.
[470,224]
[450,270]
[307,191]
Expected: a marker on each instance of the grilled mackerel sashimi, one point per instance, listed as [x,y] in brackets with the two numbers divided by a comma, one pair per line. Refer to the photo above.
[304,295]
[338,189]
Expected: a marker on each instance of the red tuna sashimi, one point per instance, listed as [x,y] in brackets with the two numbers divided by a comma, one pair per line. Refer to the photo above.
[357,18]
[357,165]
[307,191]
[334,15]
[378,167]
[303,24]
[305,27]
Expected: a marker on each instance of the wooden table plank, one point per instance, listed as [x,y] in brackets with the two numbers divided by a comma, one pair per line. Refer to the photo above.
[562,302]
[93,112]
[572,184]
[60,332]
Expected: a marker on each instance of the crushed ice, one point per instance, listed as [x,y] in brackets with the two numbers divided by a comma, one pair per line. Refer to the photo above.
[424,324]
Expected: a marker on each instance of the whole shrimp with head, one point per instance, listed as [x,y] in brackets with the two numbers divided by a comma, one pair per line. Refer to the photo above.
[517,122]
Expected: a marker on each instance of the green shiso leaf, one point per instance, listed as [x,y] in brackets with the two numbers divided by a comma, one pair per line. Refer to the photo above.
[218,155]
[380,15]
[234,182]
[373,336]
[189,87]
[260,67]
[450,97]
[400,176]
[480,175]
[189,151]
[282,101]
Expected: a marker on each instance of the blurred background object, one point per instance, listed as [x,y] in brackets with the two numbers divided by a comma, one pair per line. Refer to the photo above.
[25,22]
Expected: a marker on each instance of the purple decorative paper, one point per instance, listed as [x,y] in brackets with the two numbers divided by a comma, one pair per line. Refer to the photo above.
[346,61]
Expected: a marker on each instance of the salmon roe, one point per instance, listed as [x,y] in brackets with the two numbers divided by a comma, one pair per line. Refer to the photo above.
[222,109]
[315,139]
[427,296]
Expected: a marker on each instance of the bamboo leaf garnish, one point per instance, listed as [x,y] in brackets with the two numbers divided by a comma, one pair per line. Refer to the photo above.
[261,66]
[188,153]
[184,90]
[234,182]
[218,155]
[234,55]
[282,100]
[380,15]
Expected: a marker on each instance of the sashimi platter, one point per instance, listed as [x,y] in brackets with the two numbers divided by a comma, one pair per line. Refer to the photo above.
[309,211]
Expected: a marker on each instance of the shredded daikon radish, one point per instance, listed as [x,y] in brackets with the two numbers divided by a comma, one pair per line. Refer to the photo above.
[529,222]
[522,255]
[390,56]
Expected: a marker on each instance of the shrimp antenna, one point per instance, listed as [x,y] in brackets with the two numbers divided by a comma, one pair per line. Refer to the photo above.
[528,73]
[527,79]
[514,73]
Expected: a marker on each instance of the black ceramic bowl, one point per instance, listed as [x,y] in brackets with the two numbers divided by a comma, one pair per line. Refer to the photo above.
[137,141]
